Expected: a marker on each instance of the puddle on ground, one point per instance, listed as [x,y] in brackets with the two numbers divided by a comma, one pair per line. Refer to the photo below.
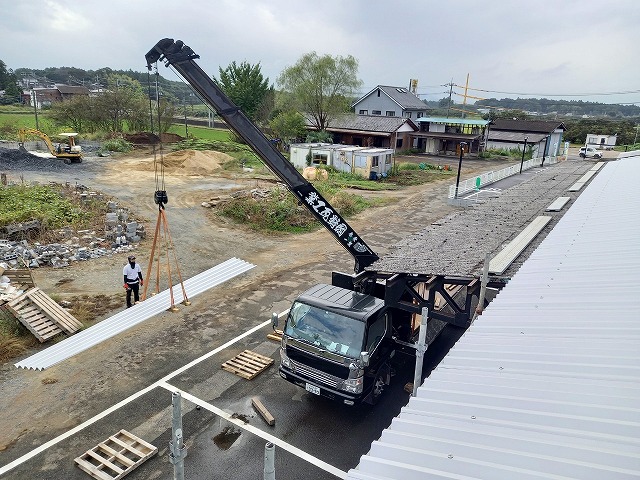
[226,438]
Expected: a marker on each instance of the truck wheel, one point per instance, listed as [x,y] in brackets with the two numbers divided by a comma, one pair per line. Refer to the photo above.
[582,155]
[378,388]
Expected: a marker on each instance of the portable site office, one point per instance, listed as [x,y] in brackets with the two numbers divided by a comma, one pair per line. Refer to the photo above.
[364,161]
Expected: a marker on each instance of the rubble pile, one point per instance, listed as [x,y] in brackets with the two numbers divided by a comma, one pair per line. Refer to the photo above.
[119,235]
[8,291]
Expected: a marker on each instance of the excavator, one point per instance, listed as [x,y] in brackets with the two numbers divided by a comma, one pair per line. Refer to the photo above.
[67,149]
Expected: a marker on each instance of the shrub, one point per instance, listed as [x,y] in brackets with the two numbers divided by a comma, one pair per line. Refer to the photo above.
[117,145]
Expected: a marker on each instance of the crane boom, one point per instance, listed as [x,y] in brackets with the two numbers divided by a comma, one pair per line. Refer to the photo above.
[181,58]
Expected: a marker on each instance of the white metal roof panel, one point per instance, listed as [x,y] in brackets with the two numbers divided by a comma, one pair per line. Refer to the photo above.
[130,317]
[546,383]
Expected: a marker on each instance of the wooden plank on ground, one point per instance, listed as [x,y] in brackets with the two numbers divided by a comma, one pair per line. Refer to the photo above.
[116,457]
[247,364]
[515,247]
[276,335]
[558,204]
[262,410]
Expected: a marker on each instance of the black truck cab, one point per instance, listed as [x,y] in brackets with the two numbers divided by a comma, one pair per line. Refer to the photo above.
[337,343]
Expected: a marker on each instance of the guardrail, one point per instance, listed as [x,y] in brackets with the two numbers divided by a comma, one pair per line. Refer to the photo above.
[472,184]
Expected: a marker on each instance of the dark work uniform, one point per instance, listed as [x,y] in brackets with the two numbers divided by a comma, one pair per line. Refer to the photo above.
[132,276]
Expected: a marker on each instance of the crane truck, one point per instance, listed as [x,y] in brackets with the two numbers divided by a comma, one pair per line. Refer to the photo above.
[338,339]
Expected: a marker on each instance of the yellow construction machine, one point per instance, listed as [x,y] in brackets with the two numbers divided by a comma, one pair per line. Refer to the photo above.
[66,149]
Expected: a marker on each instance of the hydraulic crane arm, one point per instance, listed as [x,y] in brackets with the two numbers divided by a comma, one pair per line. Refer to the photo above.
[181,57]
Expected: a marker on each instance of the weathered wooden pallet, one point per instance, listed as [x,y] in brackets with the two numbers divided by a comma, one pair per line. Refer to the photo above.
[42,315]
[115,457]
[247,364]
[20,276]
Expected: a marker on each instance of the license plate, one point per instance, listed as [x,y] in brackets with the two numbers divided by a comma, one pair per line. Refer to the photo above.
[312,388]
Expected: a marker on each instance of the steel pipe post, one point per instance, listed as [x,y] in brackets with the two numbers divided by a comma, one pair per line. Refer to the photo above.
[269,461]
[177,450]
[421,348]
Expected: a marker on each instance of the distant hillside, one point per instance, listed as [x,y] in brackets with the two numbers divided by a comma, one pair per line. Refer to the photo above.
[564,108]
[176,90]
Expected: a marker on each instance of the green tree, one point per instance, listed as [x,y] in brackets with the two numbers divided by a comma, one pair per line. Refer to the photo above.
[75,113]
[9,83]
[321,85]
[288,125]
[123,102]
[321,136]
[245,85]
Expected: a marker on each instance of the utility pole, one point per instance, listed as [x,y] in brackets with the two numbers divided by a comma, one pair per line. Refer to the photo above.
[35,107]
[450,85]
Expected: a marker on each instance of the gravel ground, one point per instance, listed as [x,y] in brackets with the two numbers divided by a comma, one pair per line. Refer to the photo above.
[457,244]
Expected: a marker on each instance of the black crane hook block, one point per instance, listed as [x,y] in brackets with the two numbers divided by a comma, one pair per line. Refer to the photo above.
[160,197]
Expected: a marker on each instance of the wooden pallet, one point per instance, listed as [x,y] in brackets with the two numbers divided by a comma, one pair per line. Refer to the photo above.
[247,364]
[116,456]
[20,276]
[42,315]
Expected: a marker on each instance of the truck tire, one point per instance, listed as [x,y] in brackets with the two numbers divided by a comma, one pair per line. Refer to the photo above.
[582,155]
[378,388]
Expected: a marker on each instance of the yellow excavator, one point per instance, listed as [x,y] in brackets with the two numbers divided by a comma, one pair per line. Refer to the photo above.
[67,149]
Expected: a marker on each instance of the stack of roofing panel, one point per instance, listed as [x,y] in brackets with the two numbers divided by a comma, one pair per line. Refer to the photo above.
[126,319]
[546,383]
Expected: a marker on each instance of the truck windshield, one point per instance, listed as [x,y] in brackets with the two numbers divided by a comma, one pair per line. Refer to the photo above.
[326,330]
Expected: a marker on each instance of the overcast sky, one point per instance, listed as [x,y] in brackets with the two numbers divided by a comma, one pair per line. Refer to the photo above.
[509,48]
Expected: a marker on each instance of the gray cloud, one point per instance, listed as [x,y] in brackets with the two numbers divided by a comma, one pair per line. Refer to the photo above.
[541,47]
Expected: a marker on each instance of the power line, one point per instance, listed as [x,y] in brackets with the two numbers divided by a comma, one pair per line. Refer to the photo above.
[625,92]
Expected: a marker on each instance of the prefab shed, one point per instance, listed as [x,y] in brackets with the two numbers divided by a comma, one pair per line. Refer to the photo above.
[363,161]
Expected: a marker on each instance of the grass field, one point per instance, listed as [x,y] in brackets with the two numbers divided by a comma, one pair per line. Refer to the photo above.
[203,133]
[10,122]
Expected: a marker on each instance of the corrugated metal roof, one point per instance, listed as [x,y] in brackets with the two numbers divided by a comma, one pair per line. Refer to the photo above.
[130,317]
[538,126]
[504,136]
[546,383]
[453,121]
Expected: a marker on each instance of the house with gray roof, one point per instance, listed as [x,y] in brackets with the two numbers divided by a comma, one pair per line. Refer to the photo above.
[370,130]
[389,101]
[544,137]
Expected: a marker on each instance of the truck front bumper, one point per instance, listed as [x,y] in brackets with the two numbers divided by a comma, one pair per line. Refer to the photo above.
[319,389]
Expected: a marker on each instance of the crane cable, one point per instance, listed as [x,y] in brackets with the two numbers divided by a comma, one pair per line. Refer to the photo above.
[162,225]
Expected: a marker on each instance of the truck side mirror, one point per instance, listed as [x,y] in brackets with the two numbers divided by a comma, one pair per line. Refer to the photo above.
[274,320]
[364,359]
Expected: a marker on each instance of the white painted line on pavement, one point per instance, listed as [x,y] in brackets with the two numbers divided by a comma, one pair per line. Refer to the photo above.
[260,433]
[26,457]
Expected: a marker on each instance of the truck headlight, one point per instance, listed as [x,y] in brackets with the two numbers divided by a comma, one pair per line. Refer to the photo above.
[353,385]
[284,359]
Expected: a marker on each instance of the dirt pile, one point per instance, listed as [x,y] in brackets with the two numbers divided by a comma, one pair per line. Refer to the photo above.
[190,162]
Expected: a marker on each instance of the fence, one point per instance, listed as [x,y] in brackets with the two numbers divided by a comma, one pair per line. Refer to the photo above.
[473,184]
